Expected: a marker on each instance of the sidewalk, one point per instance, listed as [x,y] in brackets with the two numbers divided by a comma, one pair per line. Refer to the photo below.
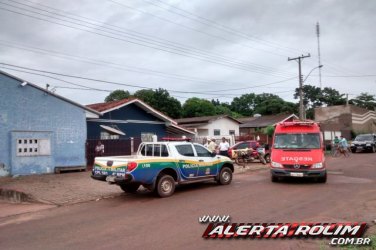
[69,188]
[56,189]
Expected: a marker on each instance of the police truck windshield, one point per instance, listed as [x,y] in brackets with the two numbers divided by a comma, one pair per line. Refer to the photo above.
[297,141]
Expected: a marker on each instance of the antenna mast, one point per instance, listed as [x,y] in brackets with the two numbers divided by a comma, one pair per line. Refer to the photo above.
[318,48]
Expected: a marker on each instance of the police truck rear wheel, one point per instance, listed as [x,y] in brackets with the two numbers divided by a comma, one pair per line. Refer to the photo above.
[225,176]
[130,188]
[165,186]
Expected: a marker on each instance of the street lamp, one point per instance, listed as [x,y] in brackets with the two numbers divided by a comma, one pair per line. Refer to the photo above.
[301,108]
[320,66]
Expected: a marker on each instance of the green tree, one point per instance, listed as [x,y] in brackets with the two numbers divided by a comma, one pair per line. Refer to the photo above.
[275,105]
[365,100]
[161,100]
[244,104]
[332,97]
[269,130]
[224,108]
[117,95]
[312,96]
[195,107]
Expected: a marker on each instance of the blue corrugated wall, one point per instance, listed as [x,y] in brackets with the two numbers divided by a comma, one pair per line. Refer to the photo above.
[27,111]
[129,112]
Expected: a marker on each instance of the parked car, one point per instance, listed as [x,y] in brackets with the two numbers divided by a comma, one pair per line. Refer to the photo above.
[255,145]
[159,166]
[364,142]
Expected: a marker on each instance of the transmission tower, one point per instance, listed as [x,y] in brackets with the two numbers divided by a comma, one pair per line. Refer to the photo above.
[318,48]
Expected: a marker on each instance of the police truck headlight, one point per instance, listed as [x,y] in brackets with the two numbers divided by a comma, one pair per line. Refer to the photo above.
[368,144]
[276,165]
[317,165]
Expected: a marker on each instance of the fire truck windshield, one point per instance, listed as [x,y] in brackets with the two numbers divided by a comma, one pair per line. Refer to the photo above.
[297,141]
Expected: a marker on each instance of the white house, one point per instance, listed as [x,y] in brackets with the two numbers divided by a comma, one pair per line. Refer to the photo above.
[211,126]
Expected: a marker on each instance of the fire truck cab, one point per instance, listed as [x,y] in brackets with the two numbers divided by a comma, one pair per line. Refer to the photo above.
[298,151]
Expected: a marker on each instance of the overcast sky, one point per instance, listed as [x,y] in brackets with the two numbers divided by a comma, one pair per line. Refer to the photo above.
[209,49]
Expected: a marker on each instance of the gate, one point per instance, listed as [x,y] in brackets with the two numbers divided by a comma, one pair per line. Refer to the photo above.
[114,147]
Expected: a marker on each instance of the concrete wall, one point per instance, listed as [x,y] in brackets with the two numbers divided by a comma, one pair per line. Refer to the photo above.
[27,112]
[363,121]
[346,118]
[223,124]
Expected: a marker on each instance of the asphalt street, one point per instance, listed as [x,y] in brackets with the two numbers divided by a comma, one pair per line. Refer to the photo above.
[143,221]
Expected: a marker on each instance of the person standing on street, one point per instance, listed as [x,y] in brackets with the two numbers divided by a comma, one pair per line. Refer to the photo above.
[212,145]
[335,146]
[343,145]
[223,147]
[99,149]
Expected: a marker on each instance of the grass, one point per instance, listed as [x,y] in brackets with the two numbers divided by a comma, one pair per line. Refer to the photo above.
[372,245]
[324,245]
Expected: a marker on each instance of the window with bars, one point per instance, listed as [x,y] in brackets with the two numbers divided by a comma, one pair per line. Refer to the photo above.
[33,147]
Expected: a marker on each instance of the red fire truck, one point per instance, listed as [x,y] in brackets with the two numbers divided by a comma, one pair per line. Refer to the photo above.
[298,151]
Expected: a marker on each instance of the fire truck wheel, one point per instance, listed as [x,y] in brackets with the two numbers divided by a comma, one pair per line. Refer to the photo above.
[274,178]
[322,179]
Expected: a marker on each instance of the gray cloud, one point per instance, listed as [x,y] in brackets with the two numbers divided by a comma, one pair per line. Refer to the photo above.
[275,29]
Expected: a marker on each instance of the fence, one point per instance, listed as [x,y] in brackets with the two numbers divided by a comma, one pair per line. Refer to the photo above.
[202,139]
[114,147]
[263,139]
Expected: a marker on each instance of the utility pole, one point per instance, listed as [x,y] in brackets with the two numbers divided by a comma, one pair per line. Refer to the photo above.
[301,106]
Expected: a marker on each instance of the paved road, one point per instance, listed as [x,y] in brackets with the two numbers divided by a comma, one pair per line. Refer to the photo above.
[145,222]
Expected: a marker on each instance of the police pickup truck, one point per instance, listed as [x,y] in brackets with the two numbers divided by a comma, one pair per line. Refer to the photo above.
[159,166]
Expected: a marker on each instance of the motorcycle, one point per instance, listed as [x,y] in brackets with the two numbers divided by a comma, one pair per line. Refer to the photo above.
[243,156]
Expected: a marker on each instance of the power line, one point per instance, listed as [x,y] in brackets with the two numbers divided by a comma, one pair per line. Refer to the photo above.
[133,69]
[145,43]
[82,87]
[349,76]
[217,25]
[196,30]
[138,37]
[127,85]
[59,79]
[110,64]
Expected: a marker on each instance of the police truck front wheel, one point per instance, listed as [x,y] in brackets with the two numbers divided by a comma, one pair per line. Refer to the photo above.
[225,176]
[165,186]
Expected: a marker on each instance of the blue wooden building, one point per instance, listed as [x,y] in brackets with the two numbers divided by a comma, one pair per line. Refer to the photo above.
[40,131]
[131,118]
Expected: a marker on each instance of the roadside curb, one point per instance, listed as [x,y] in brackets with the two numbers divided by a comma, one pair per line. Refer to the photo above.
[239,169]
[19,193]
[15,196]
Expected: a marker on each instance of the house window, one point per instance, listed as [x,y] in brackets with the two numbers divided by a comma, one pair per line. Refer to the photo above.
[107,136]
[33,147]
[231,132]
[217,132]
[147,137]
